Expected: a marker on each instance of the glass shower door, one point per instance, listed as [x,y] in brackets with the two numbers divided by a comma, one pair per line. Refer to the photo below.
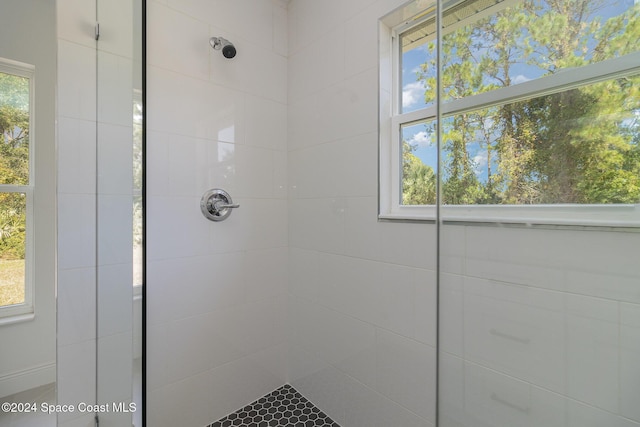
[119,215]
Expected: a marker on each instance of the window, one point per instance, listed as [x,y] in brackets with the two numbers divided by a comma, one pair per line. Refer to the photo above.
[16,187]
[537,118]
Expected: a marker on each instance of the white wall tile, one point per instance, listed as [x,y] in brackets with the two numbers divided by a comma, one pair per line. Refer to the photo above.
[256,224]
[593,361]
[179,165]
[395,298]
[408,244]
[115,230]
[254,171]
[76,21]
[115,368]
[115,83]
[526,341]
[115,299]
[211,283]
[280,29]
[452,249]
[266,123]
[187,54]
[177,229]
[579,414]
[76,156]
[117,27]
[317,224]
[76,227]
[240,72]
[310,167]
[205,110]
[406,373]
[361,40]
[610,284]
[452,314]
[390,413]
[629,356]
[348,108]
[157,353]
[266,273]
[494,399]
[425,303]
[239,382]
[451,393]
[184,402]
[76,81]
[302,117]
[304,268]
[184,336]
[362,230]
[321,62]
[76,306]
[76,368]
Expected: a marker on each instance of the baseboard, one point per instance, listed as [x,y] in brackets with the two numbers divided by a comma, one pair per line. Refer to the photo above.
[19,381]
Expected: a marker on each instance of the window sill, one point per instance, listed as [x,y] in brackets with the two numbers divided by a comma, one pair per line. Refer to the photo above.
[611,216]
[18,318]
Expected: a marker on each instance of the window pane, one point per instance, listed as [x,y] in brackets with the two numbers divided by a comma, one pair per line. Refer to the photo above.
[14,129]
[13,207]
[489,44]
[580,146]
[419,164]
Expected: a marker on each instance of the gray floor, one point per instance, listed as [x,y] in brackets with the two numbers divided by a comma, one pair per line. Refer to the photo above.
[37,396]
[47,394]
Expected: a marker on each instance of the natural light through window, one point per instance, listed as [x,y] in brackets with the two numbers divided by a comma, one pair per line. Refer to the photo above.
[15,187]
[539,106]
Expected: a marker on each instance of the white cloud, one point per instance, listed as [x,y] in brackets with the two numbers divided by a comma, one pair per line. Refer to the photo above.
[412,94]
[480,162]
[520,79]
[421,139]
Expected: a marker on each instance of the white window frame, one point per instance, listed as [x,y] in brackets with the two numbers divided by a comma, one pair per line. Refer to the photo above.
[26,310]
[391,121]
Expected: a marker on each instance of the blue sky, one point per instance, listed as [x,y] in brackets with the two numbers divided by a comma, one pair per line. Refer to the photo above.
[413,96]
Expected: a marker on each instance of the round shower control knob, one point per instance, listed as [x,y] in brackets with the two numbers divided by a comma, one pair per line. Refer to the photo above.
[216,204]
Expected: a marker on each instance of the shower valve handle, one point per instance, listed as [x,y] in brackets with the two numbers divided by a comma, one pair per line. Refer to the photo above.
[219,205]
[216,204]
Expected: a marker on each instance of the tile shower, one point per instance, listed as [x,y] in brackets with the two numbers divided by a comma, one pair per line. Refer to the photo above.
[303,286]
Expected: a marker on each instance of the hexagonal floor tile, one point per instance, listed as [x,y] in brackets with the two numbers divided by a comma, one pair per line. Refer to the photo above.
[286,408]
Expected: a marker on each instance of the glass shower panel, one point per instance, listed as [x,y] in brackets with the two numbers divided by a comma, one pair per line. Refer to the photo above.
[539,326]
[119,214]
[539,319]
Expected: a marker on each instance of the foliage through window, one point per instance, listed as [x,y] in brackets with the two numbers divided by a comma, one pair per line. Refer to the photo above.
[15,184]
[540,104]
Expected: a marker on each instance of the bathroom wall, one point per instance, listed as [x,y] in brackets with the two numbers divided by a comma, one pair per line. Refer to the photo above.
[540,327]
[29,37]
[361,292]
[216,291]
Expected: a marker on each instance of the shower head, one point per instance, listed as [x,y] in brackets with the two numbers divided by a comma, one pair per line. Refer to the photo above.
[219,43]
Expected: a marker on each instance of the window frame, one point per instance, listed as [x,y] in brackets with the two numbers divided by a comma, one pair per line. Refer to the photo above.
[391,120]
[26,310]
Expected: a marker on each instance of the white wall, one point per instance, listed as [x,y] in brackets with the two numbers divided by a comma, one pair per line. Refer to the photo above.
[362,292]
[216,291]
[27,358]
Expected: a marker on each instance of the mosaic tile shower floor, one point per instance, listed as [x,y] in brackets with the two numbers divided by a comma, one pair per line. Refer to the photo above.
[284,407]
